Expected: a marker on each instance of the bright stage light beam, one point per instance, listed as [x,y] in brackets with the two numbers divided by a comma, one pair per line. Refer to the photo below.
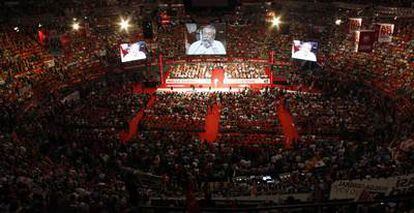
[75,26]
[276,22]
[124,24]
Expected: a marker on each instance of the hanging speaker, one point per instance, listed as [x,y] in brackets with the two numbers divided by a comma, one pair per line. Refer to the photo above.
[147,29]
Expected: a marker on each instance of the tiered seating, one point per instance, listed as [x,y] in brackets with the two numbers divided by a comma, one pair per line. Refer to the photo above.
[21,60]
[332,116]
[171,42]
[177,112]
[192,71]
[252,112]
[388,69]
[244,70]
[100,115]
[232,70]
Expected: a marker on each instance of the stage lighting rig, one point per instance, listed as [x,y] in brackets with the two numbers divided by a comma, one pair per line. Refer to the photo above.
[75,26]
[338,22]
[124,24]
[276,22]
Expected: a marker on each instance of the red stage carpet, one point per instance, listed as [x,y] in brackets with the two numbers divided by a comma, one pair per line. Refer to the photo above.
[289,128]
[212,124]
[133,124]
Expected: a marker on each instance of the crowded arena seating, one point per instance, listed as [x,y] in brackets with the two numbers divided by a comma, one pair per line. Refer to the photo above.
[252,112]
[66,105]
[388,68]
[103,110]
[332,116]
[177,112]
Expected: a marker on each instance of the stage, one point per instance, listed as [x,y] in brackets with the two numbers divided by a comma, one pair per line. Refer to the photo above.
[217,80]
[239,88]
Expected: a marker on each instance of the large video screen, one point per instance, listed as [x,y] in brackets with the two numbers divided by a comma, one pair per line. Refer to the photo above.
[133,52]
[205,39]
[304,50]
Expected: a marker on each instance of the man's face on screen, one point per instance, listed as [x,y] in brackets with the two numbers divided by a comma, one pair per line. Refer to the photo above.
[208,34]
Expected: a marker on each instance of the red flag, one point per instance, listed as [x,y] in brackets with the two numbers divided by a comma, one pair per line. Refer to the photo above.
[42,37]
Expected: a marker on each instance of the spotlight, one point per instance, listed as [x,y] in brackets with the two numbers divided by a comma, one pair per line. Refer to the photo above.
[338,22]
[75,26]
[124,24]
[276,22]
[16,29]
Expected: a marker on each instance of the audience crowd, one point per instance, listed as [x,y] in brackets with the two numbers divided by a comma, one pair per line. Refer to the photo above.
[251,111]
[62,153]
[81,152]
[177,112]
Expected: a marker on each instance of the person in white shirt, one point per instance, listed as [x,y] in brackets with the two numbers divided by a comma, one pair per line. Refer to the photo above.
[305,52]
[207,45]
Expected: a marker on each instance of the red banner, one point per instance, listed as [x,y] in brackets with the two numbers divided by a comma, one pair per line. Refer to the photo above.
[385,32]
[354,24]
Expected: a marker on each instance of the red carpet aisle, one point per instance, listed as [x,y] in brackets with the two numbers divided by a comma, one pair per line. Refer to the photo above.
[212,124]
[133,124]
[289,128]
[140,89]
